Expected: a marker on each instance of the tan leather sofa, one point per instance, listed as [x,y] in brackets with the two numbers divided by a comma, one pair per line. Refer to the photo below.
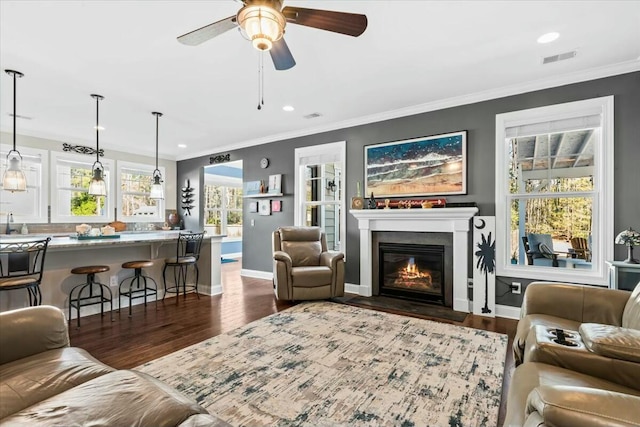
[593,379]
[303,269]
[45,382]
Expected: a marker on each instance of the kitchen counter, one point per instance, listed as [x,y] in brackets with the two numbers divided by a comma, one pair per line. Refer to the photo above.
[65,252]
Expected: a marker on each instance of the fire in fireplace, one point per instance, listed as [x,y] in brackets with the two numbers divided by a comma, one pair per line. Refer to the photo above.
[412,271]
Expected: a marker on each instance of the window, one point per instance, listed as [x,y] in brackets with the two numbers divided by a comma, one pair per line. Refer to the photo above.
[134,204]
[31,205]
[319,199]
[70,200]
[223,209]
[554,188]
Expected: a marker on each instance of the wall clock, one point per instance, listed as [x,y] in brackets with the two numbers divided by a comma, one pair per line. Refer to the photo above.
[264,163]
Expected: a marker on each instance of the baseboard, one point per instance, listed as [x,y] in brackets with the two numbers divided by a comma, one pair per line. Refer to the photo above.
[257,274]
[210,290]
[352,288]
[234,255]
[507,311]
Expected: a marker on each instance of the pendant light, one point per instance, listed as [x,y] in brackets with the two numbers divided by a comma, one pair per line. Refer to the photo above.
[13,178]
[157,191]
[97,187]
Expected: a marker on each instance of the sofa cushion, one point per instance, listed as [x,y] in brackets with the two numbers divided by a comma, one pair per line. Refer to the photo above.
[582,406]
[120,398]
[612,341]
[27,381]
[530,375]
[631,313]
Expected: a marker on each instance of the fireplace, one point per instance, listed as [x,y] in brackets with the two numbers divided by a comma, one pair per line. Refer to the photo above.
[412,271]
[454,222]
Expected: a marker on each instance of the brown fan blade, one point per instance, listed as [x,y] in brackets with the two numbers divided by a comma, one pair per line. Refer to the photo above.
[207,32]
[281,55]
[351,24]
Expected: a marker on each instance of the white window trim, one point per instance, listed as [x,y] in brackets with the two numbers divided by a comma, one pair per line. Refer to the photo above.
[339,147]
[145,168]
[603,233]
[107,163]
[41,217]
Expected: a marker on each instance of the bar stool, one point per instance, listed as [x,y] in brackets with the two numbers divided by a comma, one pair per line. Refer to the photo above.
[137,278]
[187,254]
[91,299]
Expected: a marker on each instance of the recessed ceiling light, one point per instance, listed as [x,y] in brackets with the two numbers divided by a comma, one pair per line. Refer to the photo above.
[548,38]
[99,128]
[288,108]
[182,145]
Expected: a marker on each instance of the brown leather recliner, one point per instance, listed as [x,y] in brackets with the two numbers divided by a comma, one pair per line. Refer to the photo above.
[592,378]
[303,269]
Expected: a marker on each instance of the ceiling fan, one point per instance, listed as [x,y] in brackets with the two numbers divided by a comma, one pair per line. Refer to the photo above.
[263,22]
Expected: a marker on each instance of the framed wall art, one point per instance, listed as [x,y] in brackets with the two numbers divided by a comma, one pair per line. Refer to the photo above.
[427,166]
[264,207]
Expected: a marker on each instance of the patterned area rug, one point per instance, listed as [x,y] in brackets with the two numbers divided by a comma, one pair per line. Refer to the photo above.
[328,364]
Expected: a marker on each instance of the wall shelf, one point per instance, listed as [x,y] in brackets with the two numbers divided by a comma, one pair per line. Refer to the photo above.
[262,195]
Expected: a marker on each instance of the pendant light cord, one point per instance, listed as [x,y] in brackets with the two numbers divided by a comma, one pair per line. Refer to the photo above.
[260,80]
[97,98]
[158,115]
[14,111]
[15,74]
[97,129]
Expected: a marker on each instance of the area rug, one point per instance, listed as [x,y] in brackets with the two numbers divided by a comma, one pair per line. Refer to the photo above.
[328,364]
[404,306]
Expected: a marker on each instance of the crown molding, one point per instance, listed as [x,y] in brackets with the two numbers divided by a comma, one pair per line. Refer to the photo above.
[517,89]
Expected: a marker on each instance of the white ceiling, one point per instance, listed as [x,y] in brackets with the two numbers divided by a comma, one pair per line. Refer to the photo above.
[413,56]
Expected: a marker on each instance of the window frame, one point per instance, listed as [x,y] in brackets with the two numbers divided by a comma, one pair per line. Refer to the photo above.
[109,166]
[320,153]
[602,221]
[142,167]
[224,210]
[40,216]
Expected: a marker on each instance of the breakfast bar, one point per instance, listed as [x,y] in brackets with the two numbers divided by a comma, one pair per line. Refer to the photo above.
[67,251]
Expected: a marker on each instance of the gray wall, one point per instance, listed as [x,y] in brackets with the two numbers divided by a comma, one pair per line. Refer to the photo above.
[479,120]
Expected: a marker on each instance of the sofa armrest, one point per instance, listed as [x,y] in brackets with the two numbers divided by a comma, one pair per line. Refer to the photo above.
[567,406]
[330,259]
[31,330]
[584,304]
[611,341]
[283,257]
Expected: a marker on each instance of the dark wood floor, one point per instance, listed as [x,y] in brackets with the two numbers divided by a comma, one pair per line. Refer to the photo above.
[151,333]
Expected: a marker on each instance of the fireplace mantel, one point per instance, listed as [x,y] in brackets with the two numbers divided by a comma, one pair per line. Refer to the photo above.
[436,220]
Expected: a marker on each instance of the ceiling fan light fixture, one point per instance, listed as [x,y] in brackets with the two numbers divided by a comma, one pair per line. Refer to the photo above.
[262,25]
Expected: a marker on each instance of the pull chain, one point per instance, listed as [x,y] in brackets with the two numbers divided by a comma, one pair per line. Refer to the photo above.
[260,80]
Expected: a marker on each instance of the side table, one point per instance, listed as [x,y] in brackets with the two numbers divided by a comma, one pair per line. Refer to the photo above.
[627,270]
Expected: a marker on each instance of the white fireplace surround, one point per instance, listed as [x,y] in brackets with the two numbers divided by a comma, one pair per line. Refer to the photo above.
[436,220]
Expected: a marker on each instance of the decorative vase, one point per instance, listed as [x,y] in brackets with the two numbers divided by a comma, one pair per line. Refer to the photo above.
[173,219]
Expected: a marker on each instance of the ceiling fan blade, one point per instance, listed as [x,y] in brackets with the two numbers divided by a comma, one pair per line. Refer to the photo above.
[281,55]
[351,24]
[207,32]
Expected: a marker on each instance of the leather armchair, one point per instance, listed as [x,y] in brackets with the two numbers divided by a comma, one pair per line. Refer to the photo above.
[303,269]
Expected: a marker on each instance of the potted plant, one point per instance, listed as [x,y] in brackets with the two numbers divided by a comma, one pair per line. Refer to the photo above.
[514,258]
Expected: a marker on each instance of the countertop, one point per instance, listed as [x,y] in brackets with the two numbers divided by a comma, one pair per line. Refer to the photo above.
[126,238]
